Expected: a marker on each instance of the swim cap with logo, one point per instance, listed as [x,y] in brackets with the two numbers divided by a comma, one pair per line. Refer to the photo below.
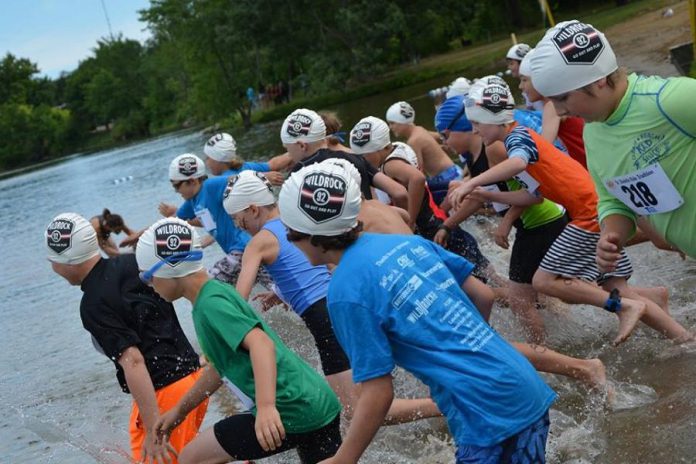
[185,167]
[401,112]
[369,135]
[451,116]
[404,152]
[302,125]
[163,239]
[570,56]
[321,199]
[526,64]
[518,51]
[221,147]
[460,86]
[71,239]
[246,189]
[490,104]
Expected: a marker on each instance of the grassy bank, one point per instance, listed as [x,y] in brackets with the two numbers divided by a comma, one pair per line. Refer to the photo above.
[465,61]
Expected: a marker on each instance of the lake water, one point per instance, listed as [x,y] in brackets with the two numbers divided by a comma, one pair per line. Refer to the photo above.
[61,404]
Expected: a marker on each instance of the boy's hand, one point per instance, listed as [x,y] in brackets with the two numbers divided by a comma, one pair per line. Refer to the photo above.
[501,234]
[274,177]
[166,210]
[268,300]
[608,251]
[269,428]
[156,450]
[460,193]
[166,423]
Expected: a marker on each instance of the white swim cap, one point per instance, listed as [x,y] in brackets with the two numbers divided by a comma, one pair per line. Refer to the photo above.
[369,135]
[185,167]
[492,79]
[570,56]
[526,64]
[401,112]
[163,239]
[518,51]
[490,103]
[347,166]
[221,147]
[302,125]
[71,239]
[246,189]
[321,199]
[459,86]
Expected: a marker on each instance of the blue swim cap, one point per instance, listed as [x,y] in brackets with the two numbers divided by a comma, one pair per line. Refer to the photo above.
[451,115]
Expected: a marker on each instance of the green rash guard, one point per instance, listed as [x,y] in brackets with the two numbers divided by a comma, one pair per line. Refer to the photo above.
[535,216]
[654,123]
[222,319]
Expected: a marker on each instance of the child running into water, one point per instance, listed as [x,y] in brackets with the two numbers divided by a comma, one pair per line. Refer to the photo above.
[106,224]
[250,201]
[649,124]
[397,300]
[136,329]
[439,167]
[203,203]
[568,270]
[289,404]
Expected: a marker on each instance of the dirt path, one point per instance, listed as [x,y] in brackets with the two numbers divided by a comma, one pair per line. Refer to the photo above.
[642,44]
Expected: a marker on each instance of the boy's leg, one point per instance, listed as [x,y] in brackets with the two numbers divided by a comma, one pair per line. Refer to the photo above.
[231,438]
[590,371]
[523,303]
[658,295]
[654,316]
[321,444]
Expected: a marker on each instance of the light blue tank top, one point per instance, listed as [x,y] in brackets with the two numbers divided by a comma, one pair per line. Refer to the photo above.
[300,284]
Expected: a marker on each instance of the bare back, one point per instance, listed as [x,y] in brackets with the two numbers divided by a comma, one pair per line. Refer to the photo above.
[430,154]
[382,219]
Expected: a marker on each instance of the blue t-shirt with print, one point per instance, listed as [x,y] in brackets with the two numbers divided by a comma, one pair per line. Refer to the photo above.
[397,300]
[248,166]
[207,207]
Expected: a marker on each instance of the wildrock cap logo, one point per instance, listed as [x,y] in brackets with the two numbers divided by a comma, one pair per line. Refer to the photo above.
[172,238]
[59,235]
[322,196]
[578,43]
[212,141]
[188,166]
[495,98]
[362,134]
[406,110]
[299,125]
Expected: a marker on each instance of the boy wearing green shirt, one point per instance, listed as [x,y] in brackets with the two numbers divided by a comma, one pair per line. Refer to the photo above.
[289,405]
[640,140]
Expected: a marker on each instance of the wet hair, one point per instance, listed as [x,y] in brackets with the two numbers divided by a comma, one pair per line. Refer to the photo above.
[333,125]
[114,221]
[235,164]
[337,242]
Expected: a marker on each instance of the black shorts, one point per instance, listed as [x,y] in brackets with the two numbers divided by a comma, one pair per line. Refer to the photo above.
[333,358]
[237,436]
[530,247]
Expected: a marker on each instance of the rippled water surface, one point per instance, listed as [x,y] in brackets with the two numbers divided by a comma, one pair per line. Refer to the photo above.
[60,401]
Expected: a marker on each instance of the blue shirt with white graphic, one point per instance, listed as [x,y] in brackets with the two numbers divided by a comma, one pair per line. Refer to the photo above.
[397,300]
[207,207]
[532,120]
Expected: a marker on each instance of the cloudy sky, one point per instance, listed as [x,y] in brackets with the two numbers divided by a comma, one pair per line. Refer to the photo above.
[58,34]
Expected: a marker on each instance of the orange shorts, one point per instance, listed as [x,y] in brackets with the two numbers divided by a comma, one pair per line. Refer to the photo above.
[167,397]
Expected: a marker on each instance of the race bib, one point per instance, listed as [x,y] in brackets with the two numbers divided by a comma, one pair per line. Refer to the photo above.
[527,181]
[498,207]
[647,191]
[206,219]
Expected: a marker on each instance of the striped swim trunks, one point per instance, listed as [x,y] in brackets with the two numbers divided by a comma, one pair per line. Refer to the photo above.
[574,254]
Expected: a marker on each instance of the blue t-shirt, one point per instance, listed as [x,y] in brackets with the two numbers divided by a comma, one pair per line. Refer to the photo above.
[207,207]
[532,119]
[300,284]
[397,300]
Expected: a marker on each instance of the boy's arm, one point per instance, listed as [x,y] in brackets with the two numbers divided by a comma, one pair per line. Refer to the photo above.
[206,385]
[415,180]
[262,249]
[480,294]
[520,197]
[503,171]
[503,231]
[280,163]
[269,427]
[550,122]
[376,396]
[396,191]
[140,385]
[109,247]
